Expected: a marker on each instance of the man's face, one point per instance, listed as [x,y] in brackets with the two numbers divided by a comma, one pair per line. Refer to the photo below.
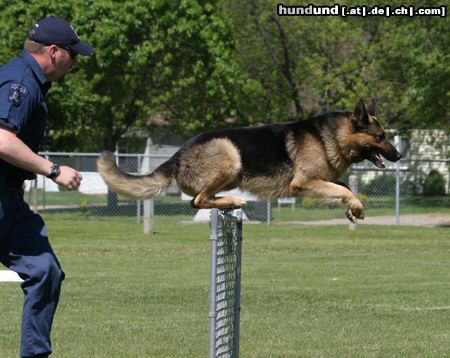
[67,59]
[62,60]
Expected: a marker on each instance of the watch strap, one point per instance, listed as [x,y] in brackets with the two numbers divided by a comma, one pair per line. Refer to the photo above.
[55,171]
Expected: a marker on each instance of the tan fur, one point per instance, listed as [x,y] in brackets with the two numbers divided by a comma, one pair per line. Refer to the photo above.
[269,186]
[207,165]
[137,187]
[208,169]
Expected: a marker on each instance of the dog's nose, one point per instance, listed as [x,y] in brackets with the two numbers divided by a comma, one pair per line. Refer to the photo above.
[398,156]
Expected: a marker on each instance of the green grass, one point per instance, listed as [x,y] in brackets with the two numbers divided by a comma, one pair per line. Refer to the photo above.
[306,291]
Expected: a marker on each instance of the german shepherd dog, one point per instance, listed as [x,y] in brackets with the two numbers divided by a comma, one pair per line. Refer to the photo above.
[303,158]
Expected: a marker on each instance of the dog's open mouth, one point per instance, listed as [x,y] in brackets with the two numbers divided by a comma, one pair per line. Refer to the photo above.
[378,160]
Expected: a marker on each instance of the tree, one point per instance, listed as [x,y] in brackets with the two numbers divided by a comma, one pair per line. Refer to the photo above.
[309,64]
[165,58]
[195,65]
[297,66]
[413,68]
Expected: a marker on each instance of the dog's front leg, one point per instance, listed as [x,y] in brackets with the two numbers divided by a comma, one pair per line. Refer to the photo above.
[303,186]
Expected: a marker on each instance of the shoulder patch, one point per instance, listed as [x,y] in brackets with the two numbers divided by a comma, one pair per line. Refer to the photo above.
[17,93]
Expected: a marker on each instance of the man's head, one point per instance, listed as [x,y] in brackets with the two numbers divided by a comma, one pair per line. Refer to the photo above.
[55,45]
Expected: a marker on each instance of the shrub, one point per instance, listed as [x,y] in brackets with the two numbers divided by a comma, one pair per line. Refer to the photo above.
[385,185]
[434,184]
[319,203]
[362,197]
[382,185]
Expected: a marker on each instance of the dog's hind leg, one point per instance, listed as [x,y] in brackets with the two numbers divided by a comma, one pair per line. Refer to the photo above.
[202,201]
[209,168]
[207,198]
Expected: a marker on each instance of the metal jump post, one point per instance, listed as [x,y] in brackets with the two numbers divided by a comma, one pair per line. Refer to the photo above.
[225,283]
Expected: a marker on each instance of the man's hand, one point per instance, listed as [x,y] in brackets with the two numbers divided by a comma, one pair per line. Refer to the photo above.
[69,178]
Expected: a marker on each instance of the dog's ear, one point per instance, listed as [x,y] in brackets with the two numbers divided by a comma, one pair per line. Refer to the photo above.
[372,108]
[360,116]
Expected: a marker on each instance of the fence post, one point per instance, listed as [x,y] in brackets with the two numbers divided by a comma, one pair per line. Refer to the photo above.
[139,202]
[149,216]
[34,192]
[398,144]
[44,191]
[149,211]
[353,184]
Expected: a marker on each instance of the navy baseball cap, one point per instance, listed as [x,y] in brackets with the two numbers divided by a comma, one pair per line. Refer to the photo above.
[53,30]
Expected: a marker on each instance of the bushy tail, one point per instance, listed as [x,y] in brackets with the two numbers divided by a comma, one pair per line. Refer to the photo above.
[135,186]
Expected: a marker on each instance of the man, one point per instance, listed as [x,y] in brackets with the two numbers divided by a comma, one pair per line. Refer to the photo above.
[49,53]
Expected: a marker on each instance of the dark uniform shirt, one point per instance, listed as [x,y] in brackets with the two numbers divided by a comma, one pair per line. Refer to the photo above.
[23,107]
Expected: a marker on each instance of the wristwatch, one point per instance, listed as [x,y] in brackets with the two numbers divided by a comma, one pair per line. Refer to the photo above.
[56,170]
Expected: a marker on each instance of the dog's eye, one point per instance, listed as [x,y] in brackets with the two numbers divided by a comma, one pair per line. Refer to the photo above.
[381,137]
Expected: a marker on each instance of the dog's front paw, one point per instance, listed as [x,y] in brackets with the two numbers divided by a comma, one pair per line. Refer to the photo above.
[355,210]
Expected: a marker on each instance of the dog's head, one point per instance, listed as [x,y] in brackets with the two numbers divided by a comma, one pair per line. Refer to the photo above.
[368,140]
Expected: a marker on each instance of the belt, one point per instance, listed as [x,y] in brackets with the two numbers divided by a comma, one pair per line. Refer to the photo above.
[11,180]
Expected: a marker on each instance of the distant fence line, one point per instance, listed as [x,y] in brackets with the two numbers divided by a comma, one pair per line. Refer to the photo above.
[397,189]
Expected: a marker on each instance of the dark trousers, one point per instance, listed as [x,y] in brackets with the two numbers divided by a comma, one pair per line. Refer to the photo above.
[25,249]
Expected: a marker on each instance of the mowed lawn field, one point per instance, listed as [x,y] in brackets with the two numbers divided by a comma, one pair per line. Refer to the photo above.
[306,291]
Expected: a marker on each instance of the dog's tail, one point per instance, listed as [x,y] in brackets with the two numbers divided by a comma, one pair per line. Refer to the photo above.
[135,186]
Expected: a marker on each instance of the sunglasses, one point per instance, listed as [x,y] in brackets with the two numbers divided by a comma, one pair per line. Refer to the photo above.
[73,55]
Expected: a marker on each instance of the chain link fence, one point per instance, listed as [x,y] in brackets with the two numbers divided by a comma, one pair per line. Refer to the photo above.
[406,187]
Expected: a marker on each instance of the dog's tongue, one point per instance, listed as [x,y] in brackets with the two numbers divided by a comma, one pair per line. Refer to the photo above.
[379,162]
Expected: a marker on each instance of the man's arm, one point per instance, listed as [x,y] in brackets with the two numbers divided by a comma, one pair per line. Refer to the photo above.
[17,153]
